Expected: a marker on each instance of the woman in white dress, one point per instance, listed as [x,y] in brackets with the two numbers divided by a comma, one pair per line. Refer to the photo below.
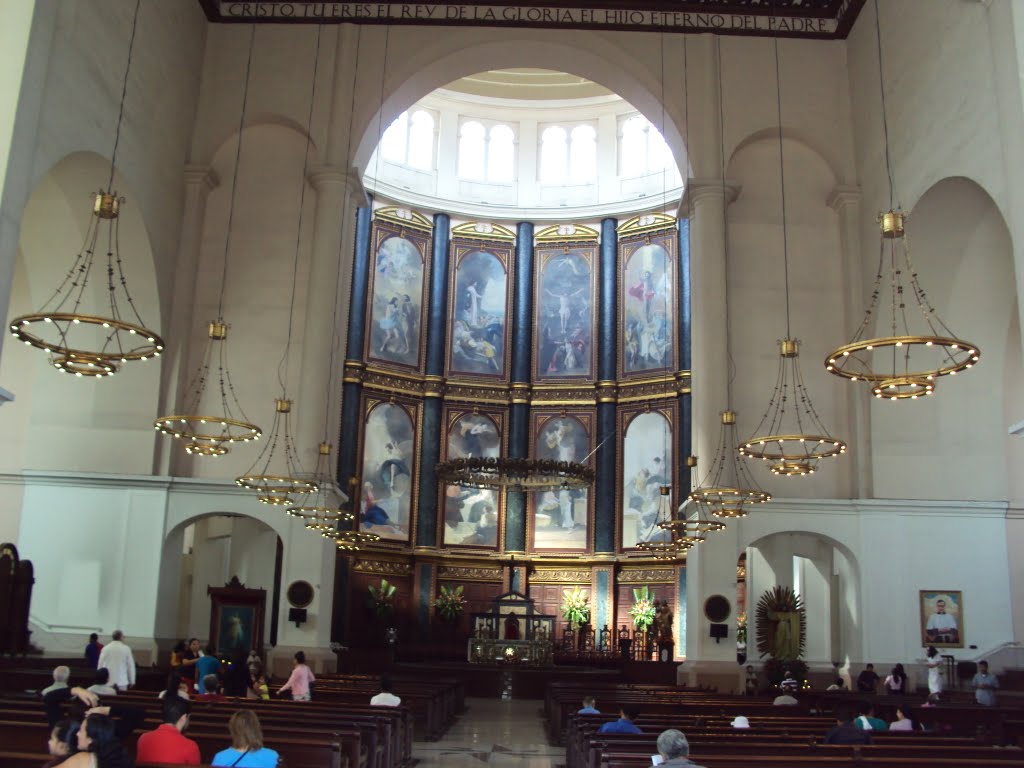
[934,671]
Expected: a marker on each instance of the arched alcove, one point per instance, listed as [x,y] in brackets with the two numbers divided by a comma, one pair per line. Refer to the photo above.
[86,425]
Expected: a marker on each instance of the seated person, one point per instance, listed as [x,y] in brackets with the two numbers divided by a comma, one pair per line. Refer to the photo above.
[54,699]
[588,707]
[385,698]
[837,685]
[246,743]
[867,720]
[902,721]
[845,732]
[102,686]
[785,700]
[60,680]
[867,680]
[674,750]
[176,685]
[167,744]
[208,664]
[624,724]
[98,746]
[63,742]
[789,683]
[211,685]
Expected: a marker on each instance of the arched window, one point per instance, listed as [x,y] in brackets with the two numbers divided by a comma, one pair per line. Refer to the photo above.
[501,154]
[554,155]
[393,142]
[472,151]
[421,140]
[583,155]
[643,149]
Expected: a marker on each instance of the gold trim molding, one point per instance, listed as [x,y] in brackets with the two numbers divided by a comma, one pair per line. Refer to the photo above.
[646,576]
[559,576]
[383,567]
[464,573]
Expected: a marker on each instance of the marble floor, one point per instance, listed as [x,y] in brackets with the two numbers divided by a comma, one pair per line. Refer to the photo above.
[494,732]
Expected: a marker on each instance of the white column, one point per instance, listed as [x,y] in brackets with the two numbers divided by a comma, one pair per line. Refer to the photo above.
[200,180]
[845,201]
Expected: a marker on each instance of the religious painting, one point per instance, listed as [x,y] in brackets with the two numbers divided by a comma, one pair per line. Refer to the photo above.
[478,301]
[564,313]
[560,520]
[646,459]
[647,303]
[942,618]
[396,308]
[472,516]
[236,617]
[388,482]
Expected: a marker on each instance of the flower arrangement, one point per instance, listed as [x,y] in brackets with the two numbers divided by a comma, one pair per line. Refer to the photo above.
[643,608]
[575,608]
[382,598]
[741,629]
[450,603]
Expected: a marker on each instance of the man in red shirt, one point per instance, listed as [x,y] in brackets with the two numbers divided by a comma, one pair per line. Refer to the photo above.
[166,744]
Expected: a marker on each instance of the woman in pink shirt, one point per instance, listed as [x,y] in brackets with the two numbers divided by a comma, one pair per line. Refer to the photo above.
[299,681]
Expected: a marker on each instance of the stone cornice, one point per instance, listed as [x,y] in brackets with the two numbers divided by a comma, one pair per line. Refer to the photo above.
[843,195]
[203,175]
[700,189]
[323,175]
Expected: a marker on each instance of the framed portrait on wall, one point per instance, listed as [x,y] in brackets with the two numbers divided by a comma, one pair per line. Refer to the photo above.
[472,517]
[942,618]
[645,463]
[236,617]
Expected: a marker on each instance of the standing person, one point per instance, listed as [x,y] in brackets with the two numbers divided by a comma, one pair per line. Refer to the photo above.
[896,682]
[189,660]
[299,681]
[867,680]
[674,750]
[117,658]
[237,678]
[208,664]
[92,651]
[246,743]
[166,743]
[985,686]
[934,663]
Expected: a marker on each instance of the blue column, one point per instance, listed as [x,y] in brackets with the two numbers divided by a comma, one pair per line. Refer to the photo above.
[352,391]
[607,336]
[519,412]
[431,429]
[685,431]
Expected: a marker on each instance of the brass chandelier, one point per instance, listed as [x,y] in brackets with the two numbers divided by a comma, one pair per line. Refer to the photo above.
[920,347]
[692,522]
[276,484]
[667,548]
[508,474]
[208,431]
[83,340]
[791,437]
[322,508]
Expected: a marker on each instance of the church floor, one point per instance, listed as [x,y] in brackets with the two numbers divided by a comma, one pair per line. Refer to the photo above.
[495,732]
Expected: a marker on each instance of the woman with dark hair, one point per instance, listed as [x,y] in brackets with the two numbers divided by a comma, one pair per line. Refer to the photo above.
[934,664]
[98,746]
[896,682]
[299,681]
[63,742]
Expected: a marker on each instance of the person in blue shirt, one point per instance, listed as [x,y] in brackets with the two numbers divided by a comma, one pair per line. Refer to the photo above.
[208,664]
[588,707]
[247,750]
[624,724]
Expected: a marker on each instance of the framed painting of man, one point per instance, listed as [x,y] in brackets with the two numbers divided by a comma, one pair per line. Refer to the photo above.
[942,618]
[395,309]
[472,517]
[389,467]
[560,520]
[646,463]
[564,309]
[479,297]
[648,252]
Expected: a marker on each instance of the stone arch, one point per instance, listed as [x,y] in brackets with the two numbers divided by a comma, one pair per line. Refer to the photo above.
[216,143]
[827,154]
[429,68]
[71,418]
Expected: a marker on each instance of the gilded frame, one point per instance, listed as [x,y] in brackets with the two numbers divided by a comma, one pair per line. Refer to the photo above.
[414,410]
[462,248]
[548,256]
[451,414]
[539,418]
[625,416]
[385,227]
[632,240]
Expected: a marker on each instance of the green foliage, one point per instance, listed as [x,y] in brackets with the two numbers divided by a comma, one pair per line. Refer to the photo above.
[450,603]
[575,609]
[382,598]
[643,609]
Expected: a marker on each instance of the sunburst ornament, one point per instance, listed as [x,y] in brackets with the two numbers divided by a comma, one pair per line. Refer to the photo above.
[781,624]
[920,348]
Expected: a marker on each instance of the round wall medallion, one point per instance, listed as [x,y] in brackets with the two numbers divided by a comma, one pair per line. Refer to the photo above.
[300,594]
[717,608]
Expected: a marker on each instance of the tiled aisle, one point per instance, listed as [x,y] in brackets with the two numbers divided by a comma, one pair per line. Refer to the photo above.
[493,732]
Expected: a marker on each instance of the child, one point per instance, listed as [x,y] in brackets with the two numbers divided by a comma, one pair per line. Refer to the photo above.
[261,687]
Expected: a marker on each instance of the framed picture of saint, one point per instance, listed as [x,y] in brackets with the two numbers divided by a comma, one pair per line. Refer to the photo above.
[942,618]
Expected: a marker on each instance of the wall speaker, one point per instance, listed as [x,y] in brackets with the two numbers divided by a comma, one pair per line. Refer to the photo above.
[298,615]
[719,631]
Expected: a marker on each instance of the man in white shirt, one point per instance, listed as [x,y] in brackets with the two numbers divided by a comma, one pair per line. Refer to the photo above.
[941,626]
[60,680]
[117,658]
[385,698]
